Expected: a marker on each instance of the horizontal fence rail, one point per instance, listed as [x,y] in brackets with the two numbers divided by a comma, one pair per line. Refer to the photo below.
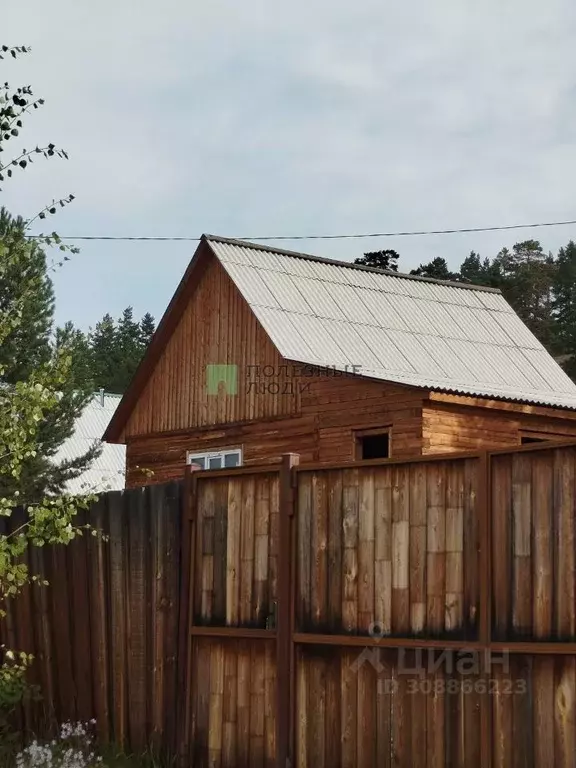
[387,613]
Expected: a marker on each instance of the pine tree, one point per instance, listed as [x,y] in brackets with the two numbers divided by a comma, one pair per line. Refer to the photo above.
[385,259]
[480,271]
[528,275]
[437,268]
[564,289]
[32,344]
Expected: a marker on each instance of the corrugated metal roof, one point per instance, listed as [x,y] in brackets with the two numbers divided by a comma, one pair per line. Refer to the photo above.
[107,471]
[415,331]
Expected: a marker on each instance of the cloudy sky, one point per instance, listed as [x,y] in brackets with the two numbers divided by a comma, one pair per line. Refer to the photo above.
[257,118]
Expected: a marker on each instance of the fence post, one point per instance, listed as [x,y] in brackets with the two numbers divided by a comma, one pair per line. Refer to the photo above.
[284,620]
[183,692]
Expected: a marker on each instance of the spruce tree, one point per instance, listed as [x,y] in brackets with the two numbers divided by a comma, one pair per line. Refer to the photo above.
[32,344]
[565,306]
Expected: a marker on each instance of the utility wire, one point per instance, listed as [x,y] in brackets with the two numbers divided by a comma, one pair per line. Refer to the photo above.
[415,233]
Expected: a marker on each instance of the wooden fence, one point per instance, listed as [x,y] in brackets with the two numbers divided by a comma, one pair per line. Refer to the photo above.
[397,613]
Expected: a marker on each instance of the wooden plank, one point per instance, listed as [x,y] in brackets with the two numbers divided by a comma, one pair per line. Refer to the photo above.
[261,547]
[304,561]
[302,710]
[565,566]
[316,712]
[502,708]
[270,705]
[522,544]
[402,718]
[243,710]
[216,703]
[247,551]
[436,547]
[366,738]
[366,547]
[319,544]
[543,694]
[501,506]
[435,720]
[335,550]
[257,687]
[384,715]
[220,541]
[543,537]
[383,550]
[108,638]
[522,716]
[350,503]
[333,734]
[233,551]
[136,627]
[176,604]
[349,710]
[565,712]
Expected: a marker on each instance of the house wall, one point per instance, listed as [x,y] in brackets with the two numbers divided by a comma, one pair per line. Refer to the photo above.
[216,328]
[332,408]
[454,423]
[281,407]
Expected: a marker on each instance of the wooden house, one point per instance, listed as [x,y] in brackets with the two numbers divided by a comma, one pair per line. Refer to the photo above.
[263,351]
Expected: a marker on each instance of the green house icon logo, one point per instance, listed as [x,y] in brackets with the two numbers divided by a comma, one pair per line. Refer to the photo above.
[222,374]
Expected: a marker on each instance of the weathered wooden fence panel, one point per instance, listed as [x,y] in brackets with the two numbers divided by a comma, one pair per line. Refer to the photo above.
[236,562]
[391,550]
[104,632]
[234,703]
[384,708]
[533,545]
[320,614]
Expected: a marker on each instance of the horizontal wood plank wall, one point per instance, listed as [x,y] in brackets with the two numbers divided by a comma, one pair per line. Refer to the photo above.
[533,543]
[217,328]
[236,558]
[389,550]
[332,408]
[262,443]
[474,424]
[104,632]
[344,404]
[234,704]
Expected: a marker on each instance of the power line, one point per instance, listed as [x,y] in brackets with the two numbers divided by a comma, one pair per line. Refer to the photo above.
[415,233]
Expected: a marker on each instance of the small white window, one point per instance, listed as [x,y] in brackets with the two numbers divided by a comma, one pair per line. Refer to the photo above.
[215,459]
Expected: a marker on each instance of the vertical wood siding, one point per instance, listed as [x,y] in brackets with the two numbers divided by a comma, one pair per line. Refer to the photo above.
[217,328]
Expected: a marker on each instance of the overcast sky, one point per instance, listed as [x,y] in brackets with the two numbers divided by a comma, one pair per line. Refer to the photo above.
[255,118]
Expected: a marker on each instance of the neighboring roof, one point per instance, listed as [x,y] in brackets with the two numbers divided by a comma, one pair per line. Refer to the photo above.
[412,330]
[107,471]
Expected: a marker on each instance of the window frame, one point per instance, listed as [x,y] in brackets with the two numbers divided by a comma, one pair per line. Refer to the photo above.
[220,453]
[359,434]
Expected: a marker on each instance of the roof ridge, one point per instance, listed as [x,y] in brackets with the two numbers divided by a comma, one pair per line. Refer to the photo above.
[338,263]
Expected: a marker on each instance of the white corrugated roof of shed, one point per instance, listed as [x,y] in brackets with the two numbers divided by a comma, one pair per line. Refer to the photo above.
[442,336]
[107,471]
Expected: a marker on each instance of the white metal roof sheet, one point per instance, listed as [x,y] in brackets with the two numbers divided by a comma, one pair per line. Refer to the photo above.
[107,472]
[398,328]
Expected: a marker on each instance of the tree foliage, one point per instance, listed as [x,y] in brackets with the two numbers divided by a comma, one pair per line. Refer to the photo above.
[385,259]
[35,380]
